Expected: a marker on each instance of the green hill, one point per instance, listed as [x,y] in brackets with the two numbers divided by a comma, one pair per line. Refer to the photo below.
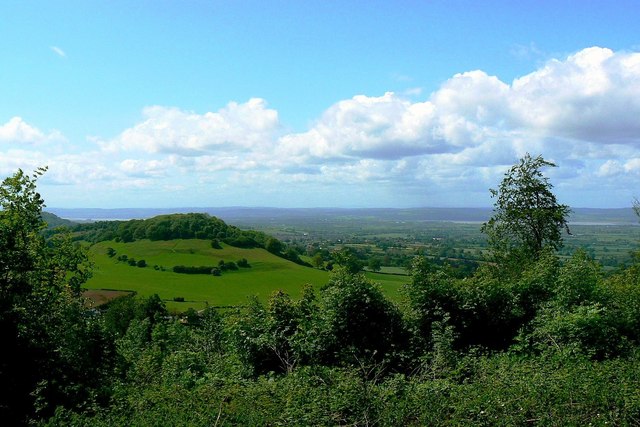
[54,221]
[266,274]
[169,227]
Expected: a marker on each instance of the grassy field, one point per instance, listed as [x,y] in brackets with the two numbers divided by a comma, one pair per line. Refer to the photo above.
[267,274]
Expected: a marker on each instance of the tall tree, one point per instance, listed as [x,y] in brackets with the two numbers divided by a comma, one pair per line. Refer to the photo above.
[47,339]
[527,217]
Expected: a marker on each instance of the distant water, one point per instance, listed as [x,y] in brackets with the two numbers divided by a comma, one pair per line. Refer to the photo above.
[411,214]
[579,216]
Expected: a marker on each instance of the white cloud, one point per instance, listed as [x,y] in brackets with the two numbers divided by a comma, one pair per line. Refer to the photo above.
[12,160]
[581,112]
[250,125]
[16,130]
[568,108]
[146,168]
[367,127]
[610,168]
[594,95]
[633,165]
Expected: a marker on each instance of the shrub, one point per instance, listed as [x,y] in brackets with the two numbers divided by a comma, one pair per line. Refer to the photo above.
[358,323]
[183,269]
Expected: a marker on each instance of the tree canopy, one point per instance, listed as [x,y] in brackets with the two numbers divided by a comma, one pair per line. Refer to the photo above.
[48,344]
[173,226]
[527,216]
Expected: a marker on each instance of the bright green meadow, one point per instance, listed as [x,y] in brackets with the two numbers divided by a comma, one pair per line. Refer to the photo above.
[267,274]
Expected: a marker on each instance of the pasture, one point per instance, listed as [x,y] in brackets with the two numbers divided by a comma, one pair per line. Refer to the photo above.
[267,274]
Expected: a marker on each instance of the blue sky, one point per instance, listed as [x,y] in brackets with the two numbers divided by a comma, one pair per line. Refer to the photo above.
[305,103]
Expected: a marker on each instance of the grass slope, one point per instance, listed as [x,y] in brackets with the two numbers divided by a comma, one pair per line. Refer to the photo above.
[267,274]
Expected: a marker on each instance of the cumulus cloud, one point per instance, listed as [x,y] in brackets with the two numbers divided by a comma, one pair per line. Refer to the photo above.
[580,111]
[368,127]
[12,160]
[16,130]
[593,95]
[568,107]
[249,125]
[590,97]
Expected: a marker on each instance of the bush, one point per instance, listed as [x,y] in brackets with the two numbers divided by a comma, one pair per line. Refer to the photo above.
[183,269]
[584,329]
[358,323]
[241,242]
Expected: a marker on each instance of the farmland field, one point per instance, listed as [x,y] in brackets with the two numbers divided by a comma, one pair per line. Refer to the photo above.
[267,274]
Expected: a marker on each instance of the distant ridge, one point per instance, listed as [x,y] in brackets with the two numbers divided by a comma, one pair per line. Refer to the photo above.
[231,214]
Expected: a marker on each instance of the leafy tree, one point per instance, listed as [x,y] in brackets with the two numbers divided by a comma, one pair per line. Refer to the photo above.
[586,329]
[118,315]
[358,323]
[347,259]
[375,264]
[277,337]
[274,246]
[292,255]
[48,340]
[317,260]
[527,217]
[152,308]
[432,297]
[578,280]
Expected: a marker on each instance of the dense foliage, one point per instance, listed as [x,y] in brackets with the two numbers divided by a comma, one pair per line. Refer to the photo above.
[552,343]
[52,352]
[527,216]
[169,227]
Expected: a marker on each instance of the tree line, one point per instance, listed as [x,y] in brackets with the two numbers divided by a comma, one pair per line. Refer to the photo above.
[170,227]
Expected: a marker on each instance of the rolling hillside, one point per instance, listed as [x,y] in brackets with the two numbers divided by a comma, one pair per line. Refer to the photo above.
[267,273]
